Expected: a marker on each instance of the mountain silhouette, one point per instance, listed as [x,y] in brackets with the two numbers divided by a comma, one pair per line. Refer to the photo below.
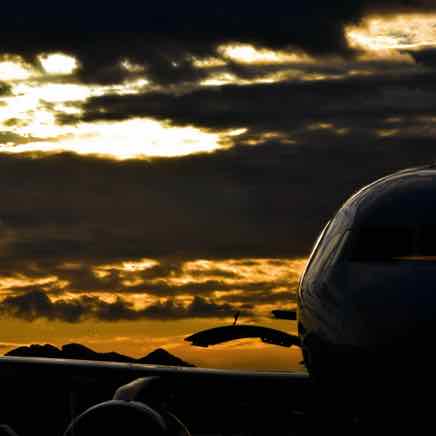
[80,352]
[161,355]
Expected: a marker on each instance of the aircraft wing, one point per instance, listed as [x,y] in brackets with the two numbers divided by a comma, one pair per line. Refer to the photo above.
[43,395]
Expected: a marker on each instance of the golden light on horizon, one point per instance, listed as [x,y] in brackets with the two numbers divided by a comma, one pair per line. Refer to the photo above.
[58,63]
[142,337]
[139,336]
[400,32]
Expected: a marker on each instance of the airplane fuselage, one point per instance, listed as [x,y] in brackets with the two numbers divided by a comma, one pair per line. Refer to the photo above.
[367,298]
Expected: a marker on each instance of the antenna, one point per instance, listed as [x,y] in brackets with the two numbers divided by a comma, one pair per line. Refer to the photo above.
[236,317]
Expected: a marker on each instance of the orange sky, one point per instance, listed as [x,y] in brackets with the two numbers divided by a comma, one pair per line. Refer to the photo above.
[141,336]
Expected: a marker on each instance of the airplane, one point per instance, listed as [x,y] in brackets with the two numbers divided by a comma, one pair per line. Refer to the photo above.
[365,296]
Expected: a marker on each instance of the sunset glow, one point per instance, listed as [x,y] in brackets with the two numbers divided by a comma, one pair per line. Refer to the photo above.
[157,182]
[138,293]
[140,138]
[58,63]
[15,69]
[400,32]
[249,54]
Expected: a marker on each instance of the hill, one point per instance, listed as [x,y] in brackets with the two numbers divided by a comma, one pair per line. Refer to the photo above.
[80,352]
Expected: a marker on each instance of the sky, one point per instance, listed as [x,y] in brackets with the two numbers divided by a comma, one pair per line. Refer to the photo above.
[161,170]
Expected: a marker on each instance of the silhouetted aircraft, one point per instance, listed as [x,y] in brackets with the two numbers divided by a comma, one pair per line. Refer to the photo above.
[367,300]
[366,319]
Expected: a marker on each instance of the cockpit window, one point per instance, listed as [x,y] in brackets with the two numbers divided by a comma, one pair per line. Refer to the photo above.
[389,244]
[378,244]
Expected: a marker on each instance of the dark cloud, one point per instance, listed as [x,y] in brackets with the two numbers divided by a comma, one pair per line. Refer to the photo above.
[162,288]
[116,210]
[260,298]
[329,67]
[8,137]
[37,304]
[199,308]
[165,41]
[167,280]
[286,107]
[265,201]
[5,89]
[83,279]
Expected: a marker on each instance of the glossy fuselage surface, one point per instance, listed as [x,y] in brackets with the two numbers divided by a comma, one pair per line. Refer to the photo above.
[368,294]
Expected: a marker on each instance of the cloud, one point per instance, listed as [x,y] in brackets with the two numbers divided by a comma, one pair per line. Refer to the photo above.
[172,39]
[265,201]
[262,297]
[268,196]
[37,304]
[5,89]
[198,308]
[286,107]
[14,138]
[261,279]
[75,291]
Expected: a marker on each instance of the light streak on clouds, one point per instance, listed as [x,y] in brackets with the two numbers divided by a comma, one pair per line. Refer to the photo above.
[15,69]
[21,281]
[248,54]
[230,280]
[58,63]
[229,271]
[31,111]
[133,138]
[210,62]
[227,78]
[401,32]
[237,272]
[131,67]
[39,95]
[141,336]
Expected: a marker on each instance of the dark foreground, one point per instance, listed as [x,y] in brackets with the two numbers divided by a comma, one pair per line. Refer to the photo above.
[42,396]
